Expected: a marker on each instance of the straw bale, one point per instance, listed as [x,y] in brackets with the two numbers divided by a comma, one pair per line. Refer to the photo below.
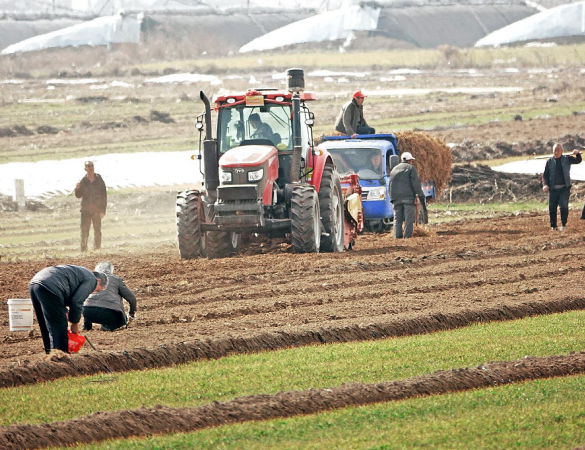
[432,156]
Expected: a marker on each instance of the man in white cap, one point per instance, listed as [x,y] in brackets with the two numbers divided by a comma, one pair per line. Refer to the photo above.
[405,186]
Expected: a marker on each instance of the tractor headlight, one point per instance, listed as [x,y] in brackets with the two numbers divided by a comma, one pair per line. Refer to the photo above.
[256,175]
[225,177]
[377,194]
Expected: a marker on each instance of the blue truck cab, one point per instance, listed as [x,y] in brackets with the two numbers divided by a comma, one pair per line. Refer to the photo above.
[370,156]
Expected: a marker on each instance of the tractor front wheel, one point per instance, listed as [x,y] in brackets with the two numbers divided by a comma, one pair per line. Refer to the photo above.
[305,220]
[221,244]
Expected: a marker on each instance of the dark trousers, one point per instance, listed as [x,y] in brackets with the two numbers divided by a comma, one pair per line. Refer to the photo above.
[87,219]
[403,213]
[52,318]
[365,130]
[558,198]
[110,319]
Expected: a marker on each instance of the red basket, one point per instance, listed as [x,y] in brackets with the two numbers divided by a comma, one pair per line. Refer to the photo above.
[76,341]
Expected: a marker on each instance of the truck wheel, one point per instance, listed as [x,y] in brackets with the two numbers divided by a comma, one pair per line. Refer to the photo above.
[220,244]
[331,202]
[305,220]
[422,216]
[189,224]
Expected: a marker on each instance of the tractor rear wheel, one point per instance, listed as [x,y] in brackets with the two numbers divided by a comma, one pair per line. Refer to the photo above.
[305,220]
[220,244]
[189,224]
[331,203]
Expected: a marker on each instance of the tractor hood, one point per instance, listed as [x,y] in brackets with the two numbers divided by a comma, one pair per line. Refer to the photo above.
[248,156]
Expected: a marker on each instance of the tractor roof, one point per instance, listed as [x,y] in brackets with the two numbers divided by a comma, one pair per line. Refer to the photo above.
[274,95]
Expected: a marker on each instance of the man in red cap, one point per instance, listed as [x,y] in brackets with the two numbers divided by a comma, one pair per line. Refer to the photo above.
[351,120]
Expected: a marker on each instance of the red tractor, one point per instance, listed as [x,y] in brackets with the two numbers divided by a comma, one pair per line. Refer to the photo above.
[264,176]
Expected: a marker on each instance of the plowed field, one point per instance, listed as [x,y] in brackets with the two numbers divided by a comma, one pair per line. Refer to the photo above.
[447,276]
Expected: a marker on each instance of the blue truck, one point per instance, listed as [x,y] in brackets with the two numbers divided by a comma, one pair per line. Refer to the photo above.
[356,156]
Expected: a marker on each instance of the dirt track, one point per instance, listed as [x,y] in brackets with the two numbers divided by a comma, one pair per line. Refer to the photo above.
[447,276]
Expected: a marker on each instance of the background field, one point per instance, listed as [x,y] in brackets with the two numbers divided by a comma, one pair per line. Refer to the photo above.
[270,321]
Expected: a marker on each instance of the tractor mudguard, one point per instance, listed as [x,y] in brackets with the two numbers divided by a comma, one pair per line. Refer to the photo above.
[319,162]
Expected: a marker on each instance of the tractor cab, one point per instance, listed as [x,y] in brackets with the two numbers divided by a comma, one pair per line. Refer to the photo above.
[260,118]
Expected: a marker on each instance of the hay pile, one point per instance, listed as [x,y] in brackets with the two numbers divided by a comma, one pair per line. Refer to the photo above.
[433,157]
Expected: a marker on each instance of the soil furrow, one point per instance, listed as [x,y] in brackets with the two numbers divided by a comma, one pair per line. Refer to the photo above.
[168,355]
[160,419]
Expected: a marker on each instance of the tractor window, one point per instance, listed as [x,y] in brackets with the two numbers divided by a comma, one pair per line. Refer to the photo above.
[366,162]
[271,122]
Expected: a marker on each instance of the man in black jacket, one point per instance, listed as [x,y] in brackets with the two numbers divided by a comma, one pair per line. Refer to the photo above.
[404,188]
[54,290]
[556,180]
[350,120]
[94,200]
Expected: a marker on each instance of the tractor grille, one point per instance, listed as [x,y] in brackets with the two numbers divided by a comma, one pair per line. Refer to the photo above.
[238,192]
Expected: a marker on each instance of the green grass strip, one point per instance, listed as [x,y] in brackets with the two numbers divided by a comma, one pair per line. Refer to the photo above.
[294,369]
[542,414]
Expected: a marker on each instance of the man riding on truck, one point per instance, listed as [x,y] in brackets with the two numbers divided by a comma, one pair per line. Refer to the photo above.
[350,120]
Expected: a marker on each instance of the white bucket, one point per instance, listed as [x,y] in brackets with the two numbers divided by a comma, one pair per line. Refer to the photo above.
[20,311]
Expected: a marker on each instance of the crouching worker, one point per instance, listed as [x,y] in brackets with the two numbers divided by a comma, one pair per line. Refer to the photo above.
[54,290]
[106,307]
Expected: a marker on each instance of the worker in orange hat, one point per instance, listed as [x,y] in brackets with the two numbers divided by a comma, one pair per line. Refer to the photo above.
[351,120]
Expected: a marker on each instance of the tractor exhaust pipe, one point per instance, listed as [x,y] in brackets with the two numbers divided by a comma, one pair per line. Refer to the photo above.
[210,159]
[205,101]
[296,85]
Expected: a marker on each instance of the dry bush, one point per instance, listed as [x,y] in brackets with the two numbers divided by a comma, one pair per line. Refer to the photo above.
[453,56]
[432,156]
[423,231]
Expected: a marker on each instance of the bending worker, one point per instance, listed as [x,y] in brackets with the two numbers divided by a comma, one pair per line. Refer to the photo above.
[52,291]
[405,186]
[106,307]
[350,120]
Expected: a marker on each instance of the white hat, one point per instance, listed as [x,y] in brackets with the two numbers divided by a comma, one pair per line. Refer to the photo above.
[407,156]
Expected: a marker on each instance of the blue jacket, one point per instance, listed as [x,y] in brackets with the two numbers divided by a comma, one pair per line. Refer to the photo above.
[71,284]
[548,177]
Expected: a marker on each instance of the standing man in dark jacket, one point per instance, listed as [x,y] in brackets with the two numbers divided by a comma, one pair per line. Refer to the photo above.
[556,180]
[405,186]
[52,291]
[94,200]
[350,120]
[106,307]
